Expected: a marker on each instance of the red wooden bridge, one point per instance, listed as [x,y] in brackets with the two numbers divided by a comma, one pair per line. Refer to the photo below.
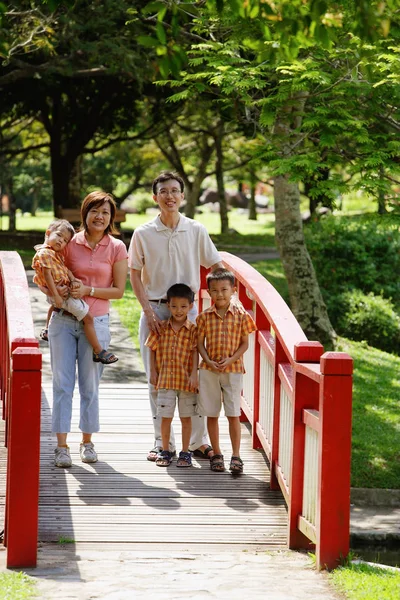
[296,446]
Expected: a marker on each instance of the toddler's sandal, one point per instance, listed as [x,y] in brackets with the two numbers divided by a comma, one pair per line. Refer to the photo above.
[105,357]
[236,465]
[44,334]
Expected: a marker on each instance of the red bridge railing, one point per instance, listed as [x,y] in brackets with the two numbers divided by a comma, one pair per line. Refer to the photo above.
[20,393]
[298,400]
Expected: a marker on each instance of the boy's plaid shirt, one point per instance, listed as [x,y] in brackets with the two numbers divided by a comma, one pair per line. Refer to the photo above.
[223,336]
[174,351]
[48,258]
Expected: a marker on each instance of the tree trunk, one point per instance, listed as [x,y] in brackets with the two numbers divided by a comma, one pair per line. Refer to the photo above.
[219,174]
[12,205]
[252,202]
[75,183]
[305,296]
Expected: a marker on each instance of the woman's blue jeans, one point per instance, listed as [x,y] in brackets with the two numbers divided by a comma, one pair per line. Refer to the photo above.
[69,348]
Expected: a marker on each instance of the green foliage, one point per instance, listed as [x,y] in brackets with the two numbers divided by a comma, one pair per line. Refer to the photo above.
[366,582]
[370,318]
[356,252]
[16,586]
[355,260]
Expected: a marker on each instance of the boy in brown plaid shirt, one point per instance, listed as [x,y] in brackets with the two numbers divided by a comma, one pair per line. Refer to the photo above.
[223,338]
[173,370]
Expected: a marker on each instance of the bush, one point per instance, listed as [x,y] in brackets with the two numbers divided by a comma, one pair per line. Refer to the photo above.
[370,318]
[140,202]
[356,253]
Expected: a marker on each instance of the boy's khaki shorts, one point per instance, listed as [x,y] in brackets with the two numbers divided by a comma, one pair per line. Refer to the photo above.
[215,388]
[166,402]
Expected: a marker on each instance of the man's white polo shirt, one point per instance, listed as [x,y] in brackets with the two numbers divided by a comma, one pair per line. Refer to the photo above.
[167,256]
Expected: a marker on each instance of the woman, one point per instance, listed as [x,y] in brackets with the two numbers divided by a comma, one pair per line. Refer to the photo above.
[99,262]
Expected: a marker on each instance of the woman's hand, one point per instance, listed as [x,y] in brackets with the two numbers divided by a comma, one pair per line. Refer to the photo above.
[80,290]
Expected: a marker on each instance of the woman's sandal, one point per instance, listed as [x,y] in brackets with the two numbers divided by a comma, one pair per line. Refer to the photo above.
[44,334]
[164,459]
[236,465]
[203,454]
[184,459]
[105,357]
[217,463]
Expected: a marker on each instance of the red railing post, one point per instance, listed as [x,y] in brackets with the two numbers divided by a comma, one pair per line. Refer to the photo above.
[21,526]
[333,509]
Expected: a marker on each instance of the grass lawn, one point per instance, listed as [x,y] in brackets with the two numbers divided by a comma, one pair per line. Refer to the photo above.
[366,582]
[376,416]
[252,233]
[16,586]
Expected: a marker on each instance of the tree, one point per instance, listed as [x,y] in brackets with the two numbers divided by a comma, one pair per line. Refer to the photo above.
[80,72]
[290,64]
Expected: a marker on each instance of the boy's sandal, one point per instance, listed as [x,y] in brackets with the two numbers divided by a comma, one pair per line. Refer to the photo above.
[44,334]
[184,459]
[236,465]
[164,459]
[203,454]
[217,463]
[105,357]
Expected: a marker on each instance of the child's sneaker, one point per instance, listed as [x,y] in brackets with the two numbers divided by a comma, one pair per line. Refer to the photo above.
[88,453]
[62,457]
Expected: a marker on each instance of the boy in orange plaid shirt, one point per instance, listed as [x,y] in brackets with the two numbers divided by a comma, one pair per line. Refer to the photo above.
[50,272]
[223,338]
[173,370]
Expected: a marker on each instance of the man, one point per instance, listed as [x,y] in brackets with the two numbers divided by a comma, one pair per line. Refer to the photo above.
[168,250]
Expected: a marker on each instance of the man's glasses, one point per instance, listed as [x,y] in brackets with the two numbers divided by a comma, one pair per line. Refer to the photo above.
[165,193]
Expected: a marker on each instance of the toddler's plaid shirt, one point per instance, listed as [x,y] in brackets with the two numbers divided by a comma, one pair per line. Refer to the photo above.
[48,258]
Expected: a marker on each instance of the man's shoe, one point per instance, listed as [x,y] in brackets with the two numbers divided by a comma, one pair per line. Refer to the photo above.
[62,457]
[88,453]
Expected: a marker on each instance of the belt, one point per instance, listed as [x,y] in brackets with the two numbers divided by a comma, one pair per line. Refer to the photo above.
[162,300]
[64,312]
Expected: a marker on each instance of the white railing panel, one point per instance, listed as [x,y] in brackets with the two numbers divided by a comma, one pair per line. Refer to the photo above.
[285,435]
[248,378]
[310,486]
[266,395]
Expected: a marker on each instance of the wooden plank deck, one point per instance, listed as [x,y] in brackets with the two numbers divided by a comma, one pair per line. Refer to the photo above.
[126,499]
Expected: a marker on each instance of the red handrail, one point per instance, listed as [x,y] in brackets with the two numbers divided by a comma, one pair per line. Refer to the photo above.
[298,401]
[20,394]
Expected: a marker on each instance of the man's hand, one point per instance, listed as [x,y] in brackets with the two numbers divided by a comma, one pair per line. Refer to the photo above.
[153,321]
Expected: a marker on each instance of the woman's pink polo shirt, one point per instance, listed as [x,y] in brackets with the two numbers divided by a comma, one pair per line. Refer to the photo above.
[94,267]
